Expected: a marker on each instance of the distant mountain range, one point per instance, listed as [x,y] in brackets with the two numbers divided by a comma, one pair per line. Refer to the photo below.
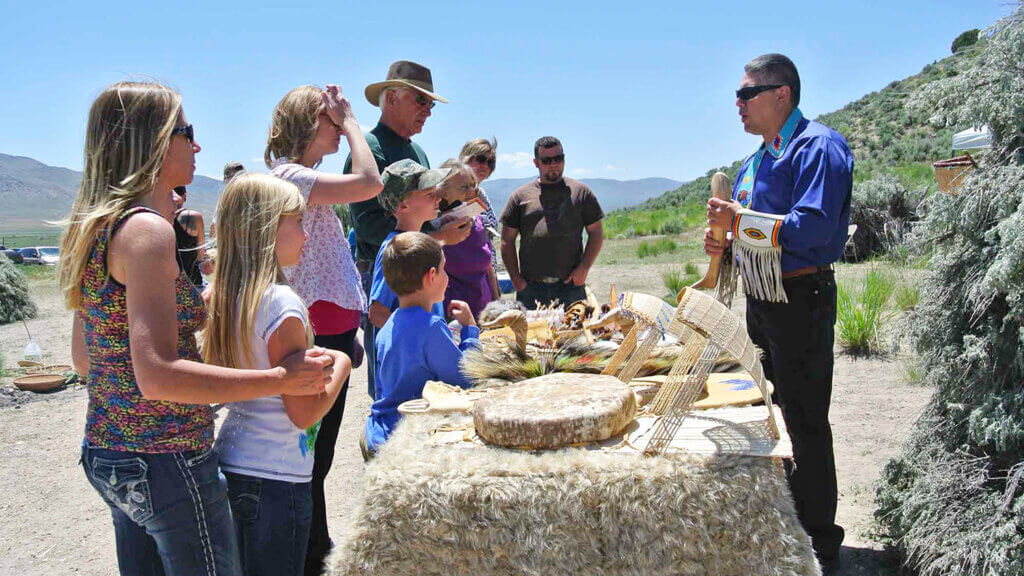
[32,192]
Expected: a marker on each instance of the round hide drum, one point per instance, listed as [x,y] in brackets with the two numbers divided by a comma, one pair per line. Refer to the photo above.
[555,410]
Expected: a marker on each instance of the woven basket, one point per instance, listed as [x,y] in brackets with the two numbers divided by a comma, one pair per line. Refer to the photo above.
[950,172]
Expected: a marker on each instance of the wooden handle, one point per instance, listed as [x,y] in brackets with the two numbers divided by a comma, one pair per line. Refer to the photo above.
[720,189]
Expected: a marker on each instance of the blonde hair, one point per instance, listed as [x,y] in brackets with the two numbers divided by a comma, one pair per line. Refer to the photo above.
[126,139]
[478,146]
[248,215]
[296,119]
[458,172]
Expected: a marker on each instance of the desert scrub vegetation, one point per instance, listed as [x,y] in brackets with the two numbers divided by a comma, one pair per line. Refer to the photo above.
[15,302]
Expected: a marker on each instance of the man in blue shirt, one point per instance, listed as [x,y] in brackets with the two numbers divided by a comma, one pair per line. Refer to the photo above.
[789,217]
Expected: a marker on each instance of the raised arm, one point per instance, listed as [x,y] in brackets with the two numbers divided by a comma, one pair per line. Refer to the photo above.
[364,182]
[142,258]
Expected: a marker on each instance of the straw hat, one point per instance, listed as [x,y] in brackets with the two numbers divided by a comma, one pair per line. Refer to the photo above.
[407,74]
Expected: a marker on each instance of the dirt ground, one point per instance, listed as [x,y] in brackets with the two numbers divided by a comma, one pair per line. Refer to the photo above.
[54,523]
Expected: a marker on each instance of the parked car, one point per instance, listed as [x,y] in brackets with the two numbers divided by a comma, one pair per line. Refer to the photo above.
[48,255]
[12,255]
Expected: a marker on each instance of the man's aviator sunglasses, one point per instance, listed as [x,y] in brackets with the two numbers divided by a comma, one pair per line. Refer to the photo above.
[186,130]
[424,101]
[552,160]
[750,92]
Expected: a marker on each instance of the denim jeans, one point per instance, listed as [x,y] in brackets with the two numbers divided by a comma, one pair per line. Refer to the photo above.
[272,520]
[796,338]
[545,293]
[170,511]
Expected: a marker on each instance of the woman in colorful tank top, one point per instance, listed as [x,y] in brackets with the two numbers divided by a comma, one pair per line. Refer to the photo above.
[149,427]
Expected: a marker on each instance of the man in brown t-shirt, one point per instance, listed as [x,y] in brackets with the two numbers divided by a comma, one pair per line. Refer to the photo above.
[550,214]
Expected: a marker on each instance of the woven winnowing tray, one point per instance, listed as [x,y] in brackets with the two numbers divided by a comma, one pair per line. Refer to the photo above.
[707,328]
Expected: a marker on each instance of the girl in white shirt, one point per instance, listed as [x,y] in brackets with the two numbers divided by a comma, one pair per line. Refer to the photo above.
[256,319]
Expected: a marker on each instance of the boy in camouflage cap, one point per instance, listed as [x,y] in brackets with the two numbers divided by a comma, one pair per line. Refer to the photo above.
[404,179]
[410,195]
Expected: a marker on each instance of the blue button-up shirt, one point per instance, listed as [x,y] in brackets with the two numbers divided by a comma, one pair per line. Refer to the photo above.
[811,182]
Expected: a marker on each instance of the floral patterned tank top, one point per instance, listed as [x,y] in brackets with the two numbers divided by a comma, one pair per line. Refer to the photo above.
[119,417]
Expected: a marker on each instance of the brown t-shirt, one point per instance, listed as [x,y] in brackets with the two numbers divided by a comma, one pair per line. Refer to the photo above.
[550,219]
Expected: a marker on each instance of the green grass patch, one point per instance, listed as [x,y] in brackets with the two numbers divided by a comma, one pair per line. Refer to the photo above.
[862,312]
[33,272]
[41,237]
[675,281]
[669,220]
[905,297]
[662,245]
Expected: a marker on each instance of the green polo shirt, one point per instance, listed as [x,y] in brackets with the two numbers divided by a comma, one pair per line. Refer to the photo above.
[371,222]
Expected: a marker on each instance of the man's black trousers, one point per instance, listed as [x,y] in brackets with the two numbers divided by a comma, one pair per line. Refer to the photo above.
[796,338]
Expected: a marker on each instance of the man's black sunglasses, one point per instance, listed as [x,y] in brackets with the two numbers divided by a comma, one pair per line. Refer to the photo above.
[749,92]
[187,130]
[424,101]
[485,159]
[552,159]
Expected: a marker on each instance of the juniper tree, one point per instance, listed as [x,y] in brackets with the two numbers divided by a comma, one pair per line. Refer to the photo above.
[953,501]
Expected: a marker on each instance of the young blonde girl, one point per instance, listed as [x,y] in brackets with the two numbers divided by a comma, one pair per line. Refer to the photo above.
[256,319]
[149,428]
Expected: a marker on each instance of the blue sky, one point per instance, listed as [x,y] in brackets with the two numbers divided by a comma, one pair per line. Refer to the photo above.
[633,89]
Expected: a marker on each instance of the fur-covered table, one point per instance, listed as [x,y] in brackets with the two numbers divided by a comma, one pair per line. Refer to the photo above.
[432,507]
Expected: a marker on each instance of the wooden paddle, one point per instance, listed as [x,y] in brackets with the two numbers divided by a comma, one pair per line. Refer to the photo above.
[720,189]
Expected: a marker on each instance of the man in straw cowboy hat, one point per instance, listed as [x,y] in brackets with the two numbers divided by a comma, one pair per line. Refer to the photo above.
[789,217]
[406,99]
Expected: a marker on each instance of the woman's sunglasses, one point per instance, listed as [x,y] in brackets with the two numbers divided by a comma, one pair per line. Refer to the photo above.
[185,130]
[484,159]
[748,93]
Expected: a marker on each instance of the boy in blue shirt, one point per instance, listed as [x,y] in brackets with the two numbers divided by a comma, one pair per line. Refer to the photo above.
[409,195]
[415,345]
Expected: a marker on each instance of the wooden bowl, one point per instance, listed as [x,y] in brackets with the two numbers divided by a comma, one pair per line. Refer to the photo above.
[29,364]
[59,368]
[39,382]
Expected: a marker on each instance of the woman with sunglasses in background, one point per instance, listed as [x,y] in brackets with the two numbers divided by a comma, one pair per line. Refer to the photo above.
[481,157]
[149,426]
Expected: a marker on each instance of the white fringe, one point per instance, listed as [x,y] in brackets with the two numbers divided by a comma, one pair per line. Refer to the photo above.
[761,269]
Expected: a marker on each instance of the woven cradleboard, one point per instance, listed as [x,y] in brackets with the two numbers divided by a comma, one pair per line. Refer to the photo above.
[707,328]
